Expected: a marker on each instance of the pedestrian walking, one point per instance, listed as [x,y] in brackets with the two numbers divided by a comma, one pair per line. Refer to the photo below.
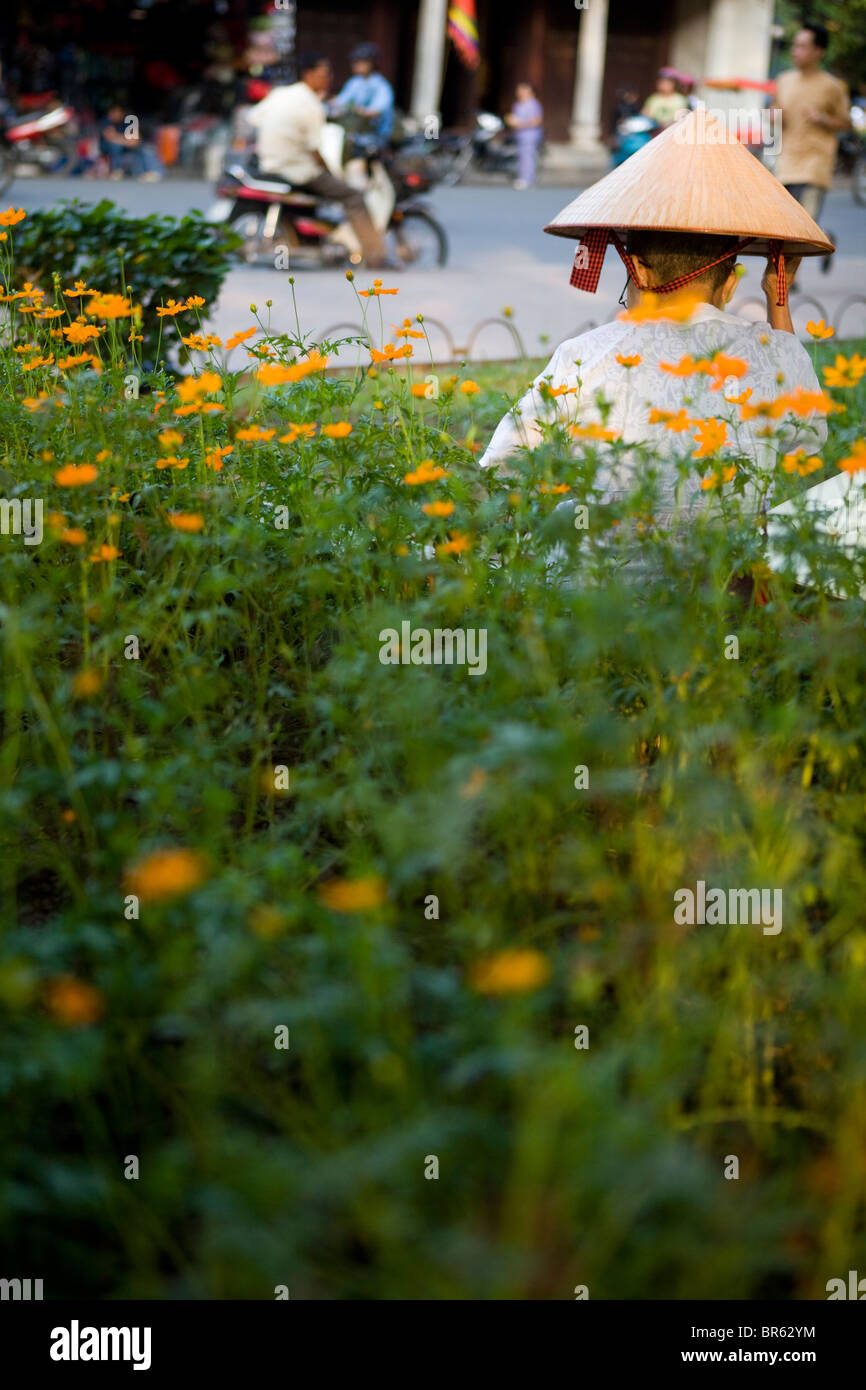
[815,108]
[525,119]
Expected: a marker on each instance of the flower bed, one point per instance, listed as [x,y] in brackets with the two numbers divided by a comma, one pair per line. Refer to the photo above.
[288,922]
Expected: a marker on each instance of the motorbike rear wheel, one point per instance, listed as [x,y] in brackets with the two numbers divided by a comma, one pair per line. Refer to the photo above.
[858,181]
[414,238]
[250,225]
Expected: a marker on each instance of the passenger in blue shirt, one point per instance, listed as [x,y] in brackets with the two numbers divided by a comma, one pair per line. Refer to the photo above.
[367,92]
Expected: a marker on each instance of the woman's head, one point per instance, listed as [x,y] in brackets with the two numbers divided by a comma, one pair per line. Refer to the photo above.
[525,90]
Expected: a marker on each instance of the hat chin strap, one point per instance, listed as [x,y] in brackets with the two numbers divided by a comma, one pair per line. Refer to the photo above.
[590,251]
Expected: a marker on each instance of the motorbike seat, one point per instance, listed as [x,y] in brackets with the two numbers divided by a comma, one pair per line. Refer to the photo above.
[271,183]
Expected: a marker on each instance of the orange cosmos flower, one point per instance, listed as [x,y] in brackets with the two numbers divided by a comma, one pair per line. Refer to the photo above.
[469,388]
[79,288]
[186,521]
[73,535]
[298,432]
[687,366]
[202,342]
[275,373]
[724,367]
[633,361]
[195,301]
[166,311]
[799,463]
[856,460]
[407,331]
[73,1003]
[81,332]
[715,479]
[553,487]
[376,290]
[105,552]
[592,432]
[86,682]
[11,218]
[710,436]
[172,461]
[819,329]
[238,338]
[254,434]
[166,874]
[458,543]
[547,390]
[214,457]
[77,360]
[353,895]
[109,306]
[426,472]
[672,420]
[338,430]
[656,308]
[514,971]
[75,474]
[846,372]
[168,438]
[51,314]
[389,353]
[437,508]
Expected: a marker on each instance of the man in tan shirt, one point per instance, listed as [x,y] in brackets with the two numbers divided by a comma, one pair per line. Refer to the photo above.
[815,108]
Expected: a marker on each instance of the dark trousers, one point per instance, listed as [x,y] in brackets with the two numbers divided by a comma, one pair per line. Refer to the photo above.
[325,185]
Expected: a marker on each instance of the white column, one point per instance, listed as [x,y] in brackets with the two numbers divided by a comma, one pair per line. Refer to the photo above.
[591,49]
[739,41]
[429,58]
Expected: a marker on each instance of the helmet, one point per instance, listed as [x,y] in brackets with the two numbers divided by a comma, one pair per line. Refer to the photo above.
[365,53]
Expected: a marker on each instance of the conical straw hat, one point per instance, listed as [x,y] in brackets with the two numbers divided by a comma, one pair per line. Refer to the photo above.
[695,177]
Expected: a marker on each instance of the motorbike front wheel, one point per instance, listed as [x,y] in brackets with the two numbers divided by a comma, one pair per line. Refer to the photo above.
[415,239]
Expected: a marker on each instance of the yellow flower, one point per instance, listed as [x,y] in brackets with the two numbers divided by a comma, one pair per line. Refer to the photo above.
[819,329]
[79,288]
[353,895]
[389,353]
[186,521]
[165,874]
[856,460]
[105,552]
[847,371]
[426,472]
[553,487]
[298,432]
[76,360]
[376,290]
[192,387]
[73,1003]
[469,388]
[170,309]
[672,420]
[514,971]
[75,474]
[338,430]
[73,536]
[202,342]
[592,432]
[86,682]
[10,217]
[418,388]
[458,542]
[631,361]
[655,307]
[169,438]
[172,461]
[437,508]
[214,457]
[195,301]
[710,435]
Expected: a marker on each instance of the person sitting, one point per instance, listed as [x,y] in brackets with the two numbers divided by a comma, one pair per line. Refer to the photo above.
[367,93]
[121,144]
[666,104]
[675,371]
[288,125]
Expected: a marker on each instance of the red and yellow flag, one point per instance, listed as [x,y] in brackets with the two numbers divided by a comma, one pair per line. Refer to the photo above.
[463,31]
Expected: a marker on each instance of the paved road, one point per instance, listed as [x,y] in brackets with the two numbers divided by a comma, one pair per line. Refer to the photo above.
[498,256]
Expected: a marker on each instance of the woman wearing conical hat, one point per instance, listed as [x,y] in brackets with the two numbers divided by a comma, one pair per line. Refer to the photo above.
[678,213]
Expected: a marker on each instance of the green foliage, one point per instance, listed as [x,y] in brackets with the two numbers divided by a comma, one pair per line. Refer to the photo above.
[259,648]
[161,257]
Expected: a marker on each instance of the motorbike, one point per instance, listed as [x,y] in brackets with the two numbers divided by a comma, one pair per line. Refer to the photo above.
[272,217]
[852,153]
[41,137]
[632,133]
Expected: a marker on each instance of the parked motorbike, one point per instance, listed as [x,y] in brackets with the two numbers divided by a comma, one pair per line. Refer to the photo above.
[40,137]
[852,154]
[270,214]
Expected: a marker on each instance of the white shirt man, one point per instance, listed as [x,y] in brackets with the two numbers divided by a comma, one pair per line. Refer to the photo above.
[288,124]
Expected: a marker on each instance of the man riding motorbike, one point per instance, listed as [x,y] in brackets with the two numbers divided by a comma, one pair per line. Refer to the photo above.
[288,125]
[367,93]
